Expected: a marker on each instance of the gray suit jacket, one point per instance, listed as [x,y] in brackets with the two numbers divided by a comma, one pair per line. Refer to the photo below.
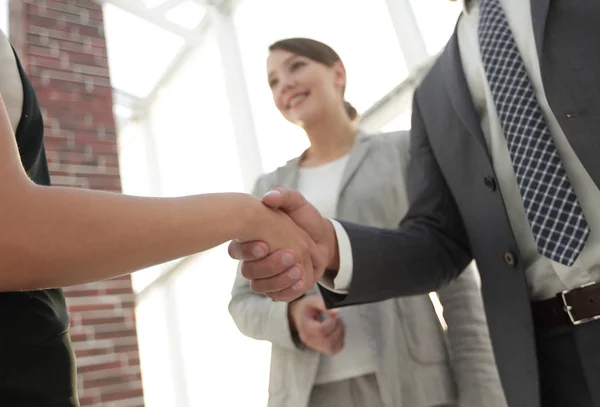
[456,213]
[415,366]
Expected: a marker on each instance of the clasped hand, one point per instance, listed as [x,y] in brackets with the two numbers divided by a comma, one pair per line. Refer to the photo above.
[291,248]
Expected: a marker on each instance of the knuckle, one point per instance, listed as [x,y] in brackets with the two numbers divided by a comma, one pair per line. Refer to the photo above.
[247,270]
[257,287]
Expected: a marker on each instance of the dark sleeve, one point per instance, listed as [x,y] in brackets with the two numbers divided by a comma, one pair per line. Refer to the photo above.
[427,250]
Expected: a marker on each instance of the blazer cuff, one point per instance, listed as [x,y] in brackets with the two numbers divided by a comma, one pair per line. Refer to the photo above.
[278,327]
[293,331]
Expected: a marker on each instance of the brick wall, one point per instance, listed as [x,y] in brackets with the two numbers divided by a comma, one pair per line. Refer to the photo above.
[62,45]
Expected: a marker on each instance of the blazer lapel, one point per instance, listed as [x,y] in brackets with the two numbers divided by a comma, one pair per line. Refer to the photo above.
[288,174]
[539,12]
[458,90]
[358,154]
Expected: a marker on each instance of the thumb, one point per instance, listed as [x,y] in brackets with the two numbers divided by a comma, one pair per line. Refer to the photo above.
[297,208]
[285,199]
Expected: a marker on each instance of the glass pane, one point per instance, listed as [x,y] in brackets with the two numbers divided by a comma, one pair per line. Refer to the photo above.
[153,342]
[436,19]
[191,123]
[401,122]
[187,14]
[4,16]
[139,52]
[217,355]
[363,35]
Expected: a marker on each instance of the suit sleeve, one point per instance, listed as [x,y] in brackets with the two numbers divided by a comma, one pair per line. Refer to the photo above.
[425,252]
[257,316]
[471,351]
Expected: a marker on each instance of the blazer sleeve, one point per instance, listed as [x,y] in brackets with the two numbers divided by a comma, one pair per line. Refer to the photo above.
[257,316]
[469,342]
[427,250]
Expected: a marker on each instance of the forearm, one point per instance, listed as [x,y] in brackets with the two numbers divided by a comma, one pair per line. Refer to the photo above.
[258,317]
[471,350]
[388,263]
[61,236]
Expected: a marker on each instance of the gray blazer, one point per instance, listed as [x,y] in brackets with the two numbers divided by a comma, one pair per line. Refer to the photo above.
[414,365]
[457,213]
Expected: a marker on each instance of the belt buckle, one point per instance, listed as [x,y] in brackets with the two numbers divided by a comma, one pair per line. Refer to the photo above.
[569,309]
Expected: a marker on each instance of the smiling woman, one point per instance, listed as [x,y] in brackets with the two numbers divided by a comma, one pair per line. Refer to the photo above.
[286,62]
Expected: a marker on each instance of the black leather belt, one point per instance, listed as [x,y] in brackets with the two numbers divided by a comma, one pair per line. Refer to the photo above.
[570,307]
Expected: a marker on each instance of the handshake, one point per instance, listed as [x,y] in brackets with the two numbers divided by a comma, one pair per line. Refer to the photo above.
[290,247]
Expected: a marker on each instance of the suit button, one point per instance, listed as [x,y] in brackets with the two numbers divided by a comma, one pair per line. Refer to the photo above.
[490,182]
[510,259]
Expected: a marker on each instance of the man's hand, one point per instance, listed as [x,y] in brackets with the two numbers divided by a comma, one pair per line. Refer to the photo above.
[277,274]
[323,335]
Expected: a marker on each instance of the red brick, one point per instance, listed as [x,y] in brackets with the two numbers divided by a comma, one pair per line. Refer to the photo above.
[111,381]
[99,366]
[120,395]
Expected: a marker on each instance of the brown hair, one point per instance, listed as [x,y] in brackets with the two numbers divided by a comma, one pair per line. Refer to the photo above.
[316,51]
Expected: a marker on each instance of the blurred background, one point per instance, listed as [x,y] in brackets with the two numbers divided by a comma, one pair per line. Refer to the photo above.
[170,97]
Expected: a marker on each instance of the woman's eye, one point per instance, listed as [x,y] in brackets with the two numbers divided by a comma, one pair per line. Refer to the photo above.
[297,65]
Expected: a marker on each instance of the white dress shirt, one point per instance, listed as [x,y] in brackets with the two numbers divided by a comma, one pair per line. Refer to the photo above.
[320,186]
[544,276]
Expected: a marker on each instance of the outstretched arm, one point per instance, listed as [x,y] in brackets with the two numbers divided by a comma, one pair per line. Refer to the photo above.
[53,236]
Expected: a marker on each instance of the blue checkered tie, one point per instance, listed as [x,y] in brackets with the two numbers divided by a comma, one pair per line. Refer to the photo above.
[558,224]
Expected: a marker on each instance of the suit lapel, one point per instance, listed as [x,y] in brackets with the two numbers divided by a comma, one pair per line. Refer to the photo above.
[539,12]
[358,154]
[458,90]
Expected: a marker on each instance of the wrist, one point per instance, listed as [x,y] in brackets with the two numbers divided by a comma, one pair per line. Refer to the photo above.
[333,260]
[247,217]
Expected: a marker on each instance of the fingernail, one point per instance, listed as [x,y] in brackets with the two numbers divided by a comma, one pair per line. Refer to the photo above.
[258,251]
[272,192]
[288,259]
[298,286]
[294,273]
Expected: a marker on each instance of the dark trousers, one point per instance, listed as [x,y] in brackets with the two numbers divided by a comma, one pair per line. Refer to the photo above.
[569,366]
[40,376]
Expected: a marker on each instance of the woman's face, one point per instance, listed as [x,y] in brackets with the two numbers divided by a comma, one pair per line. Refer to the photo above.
[304,90]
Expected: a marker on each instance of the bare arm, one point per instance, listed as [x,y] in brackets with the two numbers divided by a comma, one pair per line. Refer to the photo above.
[53,236]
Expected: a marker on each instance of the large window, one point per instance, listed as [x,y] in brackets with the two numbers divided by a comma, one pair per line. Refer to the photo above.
[436,20]
[185,143]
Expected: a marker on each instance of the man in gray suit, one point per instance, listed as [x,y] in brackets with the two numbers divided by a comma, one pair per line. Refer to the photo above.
[505,145]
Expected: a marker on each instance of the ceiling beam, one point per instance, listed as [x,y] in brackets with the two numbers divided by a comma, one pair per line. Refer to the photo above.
[153,16]
[166,6]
